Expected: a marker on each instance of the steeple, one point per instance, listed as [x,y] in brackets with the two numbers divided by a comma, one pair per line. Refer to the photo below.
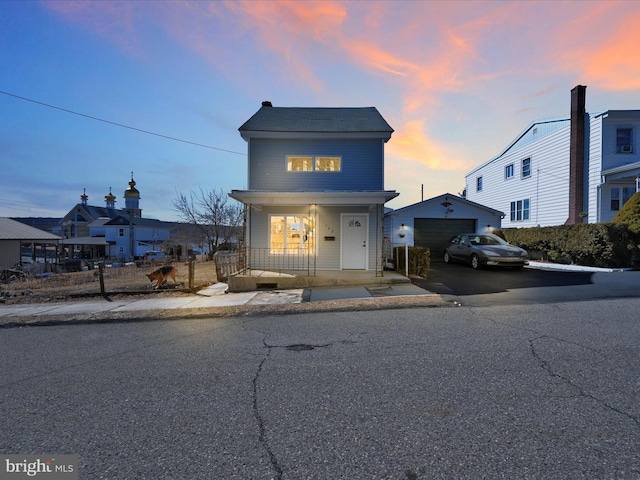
[110,199]
[132,199]
[84,197]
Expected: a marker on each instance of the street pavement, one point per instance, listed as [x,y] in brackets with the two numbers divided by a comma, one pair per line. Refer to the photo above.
[546,391]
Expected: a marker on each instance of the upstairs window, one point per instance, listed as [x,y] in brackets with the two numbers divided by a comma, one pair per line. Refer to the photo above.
[624,140]
[299,164]
[479,184]
[508,171]
[526,168]
[328,164]
[121,232]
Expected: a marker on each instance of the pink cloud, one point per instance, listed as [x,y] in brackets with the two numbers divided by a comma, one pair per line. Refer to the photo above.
[112,20]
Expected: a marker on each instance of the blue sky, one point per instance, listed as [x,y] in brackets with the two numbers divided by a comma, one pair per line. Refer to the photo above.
[457,80]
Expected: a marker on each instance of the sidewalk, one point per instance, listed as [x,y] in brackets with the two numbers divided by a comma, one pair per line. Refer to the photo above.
[213,301]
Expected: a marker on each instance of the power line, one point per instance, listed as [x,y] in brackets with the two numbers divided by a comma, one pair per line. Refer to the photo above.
[120,124]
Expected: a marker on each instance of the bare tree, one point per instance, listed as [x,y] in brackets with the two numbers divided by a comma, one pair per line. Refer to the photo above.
[214,214]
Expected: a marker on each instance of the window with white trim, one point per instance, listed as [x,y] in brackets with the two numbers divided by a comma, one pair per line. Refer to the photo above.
[301,163]
[624,140]
[328,164]
[121,232]
[520,210]
[526,168]
[508,171]
[292,235]
[479,184]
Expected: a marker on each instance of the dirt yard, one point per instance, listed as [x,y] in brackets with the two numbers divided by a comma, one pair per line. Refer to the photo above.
[122,280]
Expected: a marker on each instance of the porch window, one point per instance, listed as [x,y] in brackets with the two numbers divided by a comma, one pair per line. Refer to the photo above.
[292,235]
[615,199]
[299,164]
[627,193]
[328,164]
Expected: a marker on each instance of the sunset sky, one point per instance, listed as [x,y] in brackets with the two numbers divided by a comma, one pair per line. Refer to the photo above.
[457,81]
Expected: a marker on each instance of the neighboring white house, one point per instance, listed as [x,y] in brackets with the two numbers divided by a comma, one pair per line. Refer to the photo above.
[579,168]
[431,223]
[315,198]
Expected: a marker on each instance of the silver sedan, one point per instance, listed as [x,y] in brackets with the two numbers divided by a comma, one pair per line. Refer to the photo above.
[484,249]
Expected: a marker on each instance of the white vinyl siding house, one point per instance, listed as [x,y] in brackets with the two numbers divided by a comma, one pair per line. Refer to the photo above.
[535,178]
[534,171]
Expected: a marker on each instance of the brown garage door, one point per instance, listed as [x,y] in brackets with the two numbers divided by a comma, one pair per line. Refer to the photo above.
[434,233]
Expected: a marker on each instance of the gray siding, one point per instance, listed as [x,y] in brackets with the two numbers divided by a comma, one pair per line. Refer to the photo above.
[328,252]
[362,165]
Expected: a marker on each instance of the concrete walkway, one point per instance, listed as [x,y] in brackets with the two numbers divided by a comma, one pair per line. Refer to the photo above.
[212,300]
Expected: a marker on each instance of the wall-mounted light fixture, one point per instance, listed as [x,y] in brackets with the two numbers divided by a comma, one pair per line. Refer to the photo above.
[402,229]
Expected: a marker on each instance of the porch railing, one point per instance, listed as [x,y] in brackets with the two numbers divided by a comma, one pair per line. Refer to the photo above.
[279,260]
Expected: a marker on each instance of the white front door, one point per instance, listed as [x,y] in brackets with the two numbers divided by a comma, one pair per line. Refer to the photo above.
[354,241]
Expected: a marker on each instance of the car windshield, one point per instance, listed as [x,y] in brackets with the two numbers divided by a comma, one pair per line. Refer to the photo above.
[486,240]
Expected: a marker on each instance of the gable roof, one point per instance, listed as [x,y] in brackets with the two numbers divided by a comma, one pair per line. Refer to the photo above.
[312,120]
[448,197]
[14,230]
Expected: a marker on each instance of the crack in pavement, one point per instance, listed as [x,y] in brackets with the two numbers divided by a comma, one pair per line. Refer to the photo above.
[581,391]
[547,365]
[256,411]
[297,347]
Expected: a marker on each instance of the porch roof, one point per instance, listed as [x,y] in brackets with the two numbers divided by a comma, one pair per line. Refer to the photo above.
[259,197]
[631,170]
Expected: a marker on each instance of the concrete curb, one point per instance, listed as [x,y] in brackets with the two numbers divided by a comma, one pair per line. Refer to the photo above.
[359,304]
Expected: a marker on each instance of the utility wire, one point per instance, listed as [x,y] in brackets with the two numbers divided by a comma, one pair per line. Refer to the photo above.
[120,124]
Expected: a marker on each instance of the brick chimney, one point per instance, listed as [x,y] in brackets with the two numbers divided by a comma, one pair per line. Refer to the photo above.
[576,155]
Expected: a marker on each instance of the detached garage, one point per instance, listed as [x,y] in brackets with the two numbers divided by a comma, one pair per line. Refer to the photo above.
[433,222]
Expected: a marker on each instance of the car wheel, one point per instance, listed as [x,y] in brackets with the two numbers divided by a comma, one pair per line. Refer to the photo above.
[475,261]
[447,258]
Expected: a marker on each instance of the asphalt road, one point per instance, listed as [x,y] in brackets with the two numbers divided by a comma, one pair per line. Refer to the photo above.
[504,286]
[538,391]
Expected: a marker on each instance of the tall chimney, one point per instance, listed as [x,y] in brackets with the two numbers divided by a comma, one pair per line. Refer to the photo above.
[576,155]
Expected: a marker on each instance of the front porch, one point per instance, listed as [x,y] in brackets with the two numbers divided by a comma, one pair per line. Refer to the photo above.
[262,279]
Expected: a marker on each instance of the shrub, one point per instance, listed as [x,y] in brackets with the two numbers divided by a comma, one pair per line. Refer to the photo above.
[593,244]
[419,260]
[629,215]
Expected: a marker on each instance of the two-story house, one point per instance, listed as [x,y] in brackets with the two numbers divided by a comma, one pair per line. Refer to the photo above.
[579,168]
[315,197]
